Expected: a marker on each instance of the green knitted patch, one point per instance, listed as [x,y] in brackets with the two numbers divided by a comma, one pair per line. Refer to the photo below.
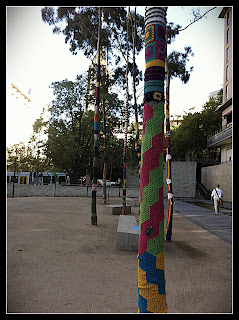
[155,246]
[156,175]
[144,211]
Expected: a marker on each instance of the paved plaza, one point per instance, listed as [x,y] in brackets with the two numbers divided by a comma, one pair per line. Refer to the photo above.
[57,262]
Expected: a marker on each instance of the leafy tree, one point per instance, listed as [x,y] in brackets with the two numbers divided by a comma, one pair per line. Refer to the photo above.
[79,26]
[177,62]
[70,135]
[190,138]
[22,158]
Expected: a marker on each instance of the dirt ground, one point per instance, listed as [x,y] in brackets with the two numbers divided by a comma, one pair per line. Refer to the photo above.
[57,262]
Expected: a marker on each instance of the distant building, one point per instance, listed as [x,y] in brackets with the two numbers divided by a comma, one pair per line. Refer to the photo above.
[223,138]
[176,120]
[213,94]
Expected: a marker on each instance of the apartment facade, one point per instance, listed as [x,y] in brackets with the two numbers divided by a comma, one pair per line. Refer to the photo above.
[223,138]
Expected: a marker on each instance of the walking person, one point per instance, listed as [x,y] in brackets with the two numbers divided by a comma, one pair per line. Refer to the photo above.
[216,195]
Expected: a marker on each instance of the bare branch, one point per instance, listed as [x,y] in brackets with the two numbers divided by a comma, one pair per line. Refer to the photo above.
[197,19]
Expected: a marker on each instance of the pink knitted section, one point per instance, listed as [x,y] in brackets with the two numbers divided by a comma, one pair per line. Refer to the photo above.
[151,160]
[148,114]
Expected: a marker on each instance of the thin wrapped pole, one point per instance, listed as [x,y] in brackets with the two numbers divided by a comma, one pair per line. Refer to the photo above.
[136,144]
[105,153]
[126,123]
[96,131]
[168,161]
[151,280]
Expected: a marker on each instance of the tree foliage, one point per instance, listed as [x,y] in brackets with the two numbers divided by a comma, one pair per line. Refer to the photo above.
[177,62]
[70,135]
[190,138]
[79,26]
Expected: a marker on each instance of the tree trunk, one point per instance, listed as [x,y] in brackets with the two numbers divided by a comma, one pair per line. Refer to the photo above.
[151,280]
[96,131]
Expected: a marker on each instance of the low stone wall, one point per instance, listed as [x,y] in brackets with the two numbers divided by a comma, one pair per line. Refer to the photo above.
[28,190]
[218,174]
[183,179]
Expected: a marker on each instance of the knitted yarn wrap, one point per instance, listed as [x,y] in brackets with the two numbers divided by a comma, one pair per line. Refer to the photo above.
[151,280]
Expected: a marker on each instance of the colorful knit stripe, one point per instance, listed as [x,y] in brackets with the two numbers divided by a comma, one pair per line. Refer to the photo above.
[151,279]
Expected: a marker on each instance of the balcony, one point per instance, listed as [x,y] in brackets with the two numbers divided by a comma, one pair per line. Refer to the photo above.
[220,137]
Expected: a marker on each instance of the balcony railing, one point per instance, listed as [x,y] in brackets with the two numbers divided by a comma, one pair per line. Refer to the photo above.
[217,138]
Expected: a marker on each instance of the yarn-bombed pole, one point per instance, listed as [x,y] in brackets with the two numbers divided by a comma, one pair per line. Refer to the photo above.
[168,161]
[126,123]
[151,278]
[96,131]
[136,143]
[105,153]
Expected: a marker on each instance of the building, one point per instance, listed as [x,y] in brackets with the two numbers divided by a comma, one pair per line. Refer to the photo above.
[213,94]
[176,120]
[223,138]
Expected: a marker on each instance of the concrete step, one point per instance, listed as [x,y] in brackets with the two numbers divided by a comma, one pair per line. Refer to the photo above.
[115,208]
[132,202]
[127,237]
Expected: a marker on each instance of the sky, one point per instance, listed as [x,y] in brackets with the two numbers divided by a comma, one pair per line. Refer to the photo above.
[36,57]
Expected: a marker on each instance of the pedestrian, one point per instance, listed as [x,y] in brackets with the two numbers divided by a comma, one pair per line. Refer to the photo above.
[216,195]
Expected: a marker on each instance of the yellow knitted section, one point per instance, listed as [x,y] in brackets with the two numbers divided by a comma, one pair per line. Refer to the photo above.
[153,63]
[156,302]
[160,261]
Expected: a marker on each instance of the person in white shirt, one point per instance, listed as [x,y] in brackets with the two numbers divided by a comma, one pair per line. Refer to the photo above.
[216,195]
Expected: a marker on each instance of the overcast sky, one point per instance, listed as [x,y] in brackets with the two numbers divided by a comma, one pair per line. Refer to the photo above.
[36,57]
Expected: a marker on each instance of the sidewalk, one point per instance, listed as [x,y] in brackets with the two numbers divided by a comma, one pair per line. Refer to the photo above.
[220,225]
[58,262]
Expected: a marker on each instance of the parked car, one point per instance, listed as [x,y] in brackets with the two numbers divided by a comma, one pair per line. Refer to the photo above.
[100,182]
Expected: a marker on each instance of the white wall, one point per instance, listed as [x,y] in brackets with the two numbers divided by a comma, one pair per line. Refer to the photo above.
[219,174]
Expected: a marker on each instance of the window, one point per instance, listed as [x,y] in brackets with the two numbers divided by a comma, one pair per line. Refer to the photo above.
[14,180]
[227,54]
[227,35]
[23,180]
[229,118]
[227,73]
[46,180]
[227,92]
